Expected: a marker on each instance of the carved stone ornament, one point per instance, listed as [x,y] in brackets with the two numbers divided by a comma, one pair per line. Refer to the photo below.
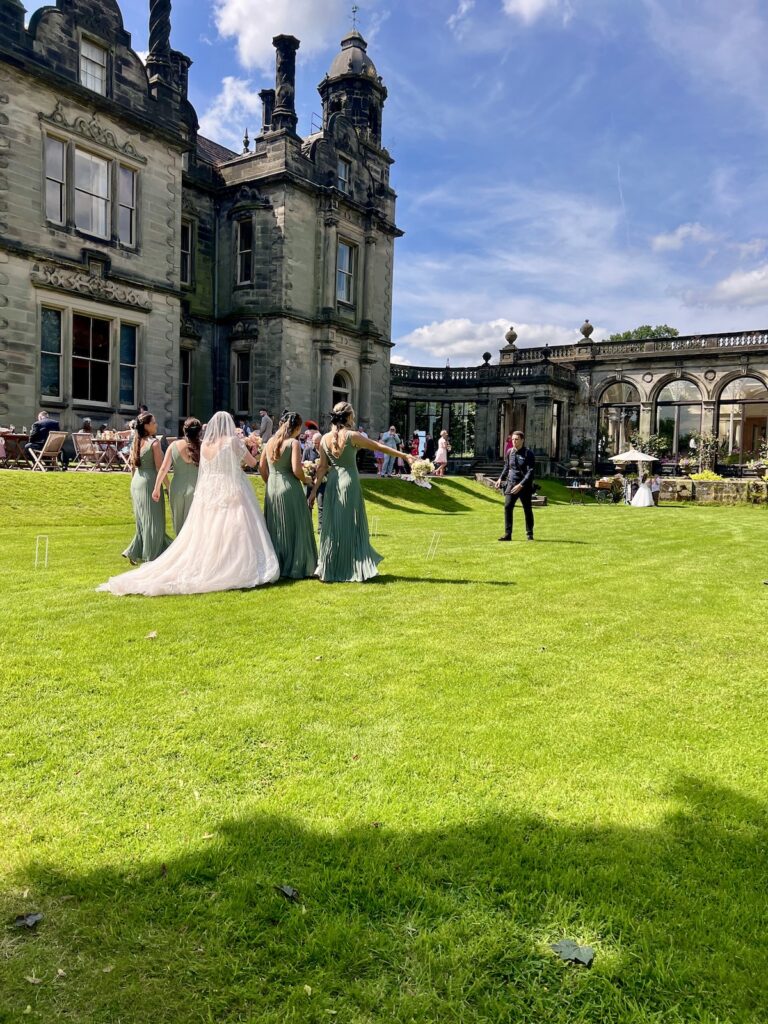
[188,329]
[710,375]
[251,197]
[244,329]
[93,131]
[188,206]
[47,275]
[647,377]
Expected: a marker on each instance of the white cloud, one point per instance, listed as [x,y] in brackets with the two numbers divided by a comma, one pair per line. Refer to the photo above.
[142,55]
[456,22]
[464,341]
[680,236]
[253,23]
[529,11]
[741,288]
[751,250]
[231,112]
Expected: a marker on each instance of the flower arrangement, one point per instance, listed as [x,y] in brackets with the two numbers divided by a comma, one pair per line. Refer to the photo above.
[421,468]
[253,443]
[310,469]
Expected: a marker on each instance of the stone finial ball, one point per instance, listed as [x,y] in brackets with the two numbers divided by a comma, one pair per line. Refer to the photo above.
[586,328]
[486,357]
[511,336]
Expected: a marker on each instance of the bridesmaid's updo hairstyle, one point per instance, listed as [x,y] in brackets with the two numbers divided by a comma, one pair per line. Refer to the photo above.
[192,430]
[142,422]
[288,423]
[341,416]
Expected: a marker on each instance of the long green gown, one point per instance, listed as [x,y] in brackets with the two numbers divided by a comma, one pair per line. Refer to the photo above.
[150,539]
[346,555]
[182,488]
[289,520]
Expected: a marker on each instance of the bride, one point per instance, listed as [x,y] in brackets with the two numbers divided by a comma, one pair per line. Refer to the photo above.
[643,498]
[224,544]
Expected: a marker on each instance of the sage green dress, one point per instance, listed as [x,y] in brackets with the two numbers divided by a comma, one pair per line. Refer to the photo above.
[150,539]
[289,520]
[182,488]
[346,555]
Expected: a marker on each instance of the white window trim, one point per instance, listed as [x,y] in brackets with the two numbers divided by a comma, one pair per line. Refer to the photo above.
[349,275]
[344,184]
[104,77]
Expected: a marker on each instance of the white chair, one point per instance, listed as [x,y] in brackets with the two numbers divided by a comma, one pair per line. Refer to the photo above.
[48,456]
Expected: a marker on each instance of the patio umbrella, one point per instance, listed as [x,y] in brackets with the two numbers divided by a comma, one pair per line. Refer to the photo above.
[633,455]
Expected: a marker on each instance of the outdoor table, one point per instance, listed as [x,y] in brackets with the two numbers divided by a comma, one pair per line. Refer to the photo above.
[14,450]
[578,491]
[112,456]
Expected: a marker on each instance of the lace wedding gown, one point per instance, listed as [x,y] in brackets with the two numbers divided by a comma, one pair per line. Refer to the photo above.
[224,543]
[643,498]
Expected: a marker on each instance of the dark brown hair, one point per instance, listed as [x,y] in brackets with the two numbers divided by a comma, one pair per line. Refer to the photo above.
[340,413]
[139,433]
[192,430]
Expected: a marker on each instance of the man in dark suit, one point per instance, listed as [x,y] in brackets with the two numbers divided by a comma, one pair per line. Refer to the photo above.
[39,431]
[519,467]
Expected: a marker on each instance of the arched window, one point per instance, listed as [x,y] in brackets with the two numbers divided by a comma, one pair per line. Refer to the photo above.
[619,418]
[742,419]
[342,388]
[678,415]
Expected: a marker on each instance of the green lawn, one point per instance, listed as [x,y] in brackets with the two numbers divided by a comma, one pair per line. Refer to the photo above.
[455,765]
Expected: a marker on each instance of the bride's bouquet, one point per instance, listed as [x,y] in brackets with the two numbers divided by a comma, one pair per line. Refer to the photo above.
[253,443]
[420,470]
[310,470]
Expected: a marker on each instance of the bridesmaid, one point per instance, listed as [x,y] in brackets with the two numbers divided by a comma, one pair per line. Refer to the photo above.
[289,520]
[150,539]
[183,457]
[346,555]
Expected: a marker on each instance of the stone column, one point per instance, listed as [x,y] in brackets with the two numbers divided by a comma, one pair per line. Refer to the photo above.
[646,419]
[369,279]
[327,352]
[267,97]
[159,56]
[539,432]
[482,439]
[331,245]
[364,398]
[709,417]
[284,114]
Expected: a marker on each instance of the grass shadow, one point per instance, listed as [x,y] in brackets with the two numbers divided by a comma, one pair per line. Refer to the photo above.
[397,494]
[410,925]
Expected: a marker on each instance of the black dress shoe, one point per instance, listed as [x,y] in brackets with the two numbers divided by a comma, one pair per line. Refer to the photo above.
[529,538]
[505,538]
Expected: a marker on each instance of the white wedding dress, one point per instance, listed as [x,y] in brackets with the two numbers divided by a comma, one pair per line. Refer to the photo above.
[224,543]
[643,498]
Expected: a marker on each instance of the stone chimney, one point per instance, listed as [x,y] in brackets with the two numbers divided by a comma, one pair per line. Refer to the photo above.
[159,56]
[267,97]
[284,114]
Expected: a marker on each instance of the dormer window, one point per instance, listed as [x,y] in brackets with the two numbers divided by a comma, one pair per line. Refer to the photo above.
[93,67]
[344,175]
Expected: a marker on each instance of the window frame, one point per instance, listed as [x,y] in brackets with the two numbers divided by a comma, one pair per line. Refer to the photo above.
[92,360]
[107,200]
[119,205]
[242,280]
[97,45]
[185,383]
[240,382]
[62,220]
[344,181]
[42,353]
[120,364]
[347,276]
[189,253]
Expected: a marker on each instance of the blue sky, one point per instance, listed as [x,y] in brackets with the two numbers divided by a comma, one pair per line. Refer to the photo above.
[555,159]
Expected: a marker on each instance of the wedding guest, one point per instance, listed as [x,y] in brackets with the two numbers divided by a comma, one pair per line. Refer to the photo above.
[441,458]
[655,488]
[265,426]
[289,520]
[430,447]
[346,554]
[379,457]
[519,467]
[312,454]
[509,443]
[224,544]
[415,445]
[389,439]
[87,427]
[39,431]
[150,539]
[183,457]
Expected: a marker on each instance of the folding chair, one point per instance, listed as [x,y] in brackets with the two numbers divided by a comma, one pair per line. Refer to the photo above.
[87,455]
[48,456]
[124,449]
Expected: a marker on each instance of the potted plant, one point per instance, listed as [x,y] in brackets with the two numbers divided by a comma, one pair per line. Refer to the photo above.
[579,448]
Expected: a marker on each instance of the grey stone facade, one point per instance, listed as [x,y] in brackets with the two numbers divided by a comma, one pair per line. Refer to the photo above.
[587,399]
[140,262]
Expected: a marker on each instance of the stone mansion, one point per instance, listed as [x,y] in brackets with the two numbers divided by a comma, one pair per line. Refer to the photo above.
[143,263]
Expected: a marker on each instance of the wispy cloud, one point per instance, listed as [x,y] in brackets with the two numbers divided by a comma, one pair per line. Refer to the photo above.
[457,21]
[529,11]
[466,340]
[682,235]
[231,112]
[741,288]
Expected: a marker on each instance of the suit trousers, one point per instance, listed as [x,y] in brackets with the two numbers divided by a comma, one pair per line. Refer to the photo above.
[525,497]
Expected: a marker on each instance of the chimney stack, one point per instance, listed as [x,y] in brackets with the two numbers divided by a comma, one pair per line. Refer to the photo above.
[284,114]
[159,56]
[267,97]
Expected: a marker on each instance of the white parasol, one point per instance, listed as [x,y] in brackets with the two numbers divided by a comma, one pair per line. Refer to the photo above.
[633,455]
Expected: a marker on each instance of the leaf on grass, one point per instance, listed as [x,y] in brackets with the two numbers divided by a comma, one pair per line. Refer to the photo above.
[33,980]
[65,898]
[152,635]
[60,973]
[209,835]
[107,970]
[25,894]
[28,1010]
[308,989]
[377,824]
[27,920]
[289,892]
[319,657]
[573,953]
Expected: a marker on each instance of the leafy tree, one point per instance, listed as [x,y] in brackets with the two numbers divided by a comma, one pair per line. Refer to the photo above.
[646,333]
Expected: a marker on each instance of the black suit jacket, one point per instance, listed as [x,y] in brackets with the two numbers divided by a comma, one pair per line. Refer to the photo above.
[519,468]
[39,431]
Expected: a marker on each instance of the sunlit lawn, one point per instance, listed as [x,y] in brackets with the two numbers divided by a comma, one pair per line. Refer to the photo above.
[454,766]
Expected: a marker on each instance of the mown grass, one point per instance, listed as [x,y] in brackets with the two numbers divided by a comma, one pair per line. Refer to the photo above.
[455,765]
